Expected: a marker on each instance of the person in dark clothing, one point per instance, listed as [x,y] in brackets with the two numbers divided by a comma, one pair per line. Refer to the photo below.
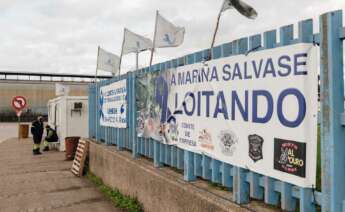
[51,137]
[37,132]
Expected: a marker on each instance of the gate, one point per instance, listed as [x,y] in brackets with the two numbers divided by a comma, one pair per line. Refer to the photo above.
[246,184]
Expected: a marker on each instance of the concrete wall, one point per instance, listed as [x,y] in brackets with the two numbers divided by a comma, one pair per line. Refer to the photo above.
[159,189]
[36,93]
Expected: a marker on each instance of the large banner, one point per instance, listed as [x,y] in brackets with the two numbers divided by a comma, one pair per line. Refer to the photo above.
[256,111]
[113,105]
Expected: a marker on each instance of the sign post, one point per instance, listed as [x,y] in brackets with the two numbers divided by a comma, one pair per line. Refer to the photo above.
[18,104]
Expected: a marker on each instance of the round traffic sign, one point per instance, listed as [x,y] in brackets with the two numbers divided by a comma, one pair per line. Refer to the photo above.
[18,102]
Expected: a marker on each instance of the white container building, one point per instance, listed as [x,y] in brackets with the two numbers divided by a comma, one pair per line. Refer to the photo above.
[69,116]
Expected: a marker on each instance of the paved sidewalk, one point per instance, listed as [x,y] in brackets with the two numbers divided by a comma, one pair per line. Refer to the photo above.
[43,183]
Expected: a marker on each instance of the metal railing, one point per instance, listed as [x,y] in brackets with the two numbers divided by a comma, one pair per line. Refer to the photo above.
[246,184]
[51,77]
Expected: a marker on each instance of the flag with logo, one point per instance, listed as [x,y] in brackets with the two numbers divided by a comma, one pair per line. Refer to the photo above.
[241,7]
[107,61]
[133,42]
[167,34]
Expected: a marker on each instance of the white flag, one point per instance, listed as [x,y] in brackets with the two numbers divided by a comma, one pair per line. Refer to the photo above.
[167,34]
[61,90]
[226,5]
[241,7]
[133,42]
[107,61]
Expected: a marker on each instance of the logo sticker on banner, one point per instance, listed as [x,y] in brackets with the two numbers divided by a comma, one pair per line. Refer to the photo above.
[289,157]
[255,147]
[235,109]
[227,142]
[113,105]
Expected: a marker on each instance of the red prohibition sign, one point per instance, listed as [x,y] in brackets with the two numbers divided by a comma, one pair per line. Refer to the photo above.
[18,102]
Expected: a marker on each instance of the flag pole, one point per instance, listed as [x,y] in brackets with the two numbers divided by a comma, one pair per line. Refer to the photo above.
[154,39]
[215,33]
[137,60]
[123,42]
[216,29]
[96,99]
[97,64]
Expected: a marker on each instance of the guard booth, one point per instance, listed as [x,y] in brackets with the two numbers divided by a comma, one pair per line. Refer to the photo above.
[68,115]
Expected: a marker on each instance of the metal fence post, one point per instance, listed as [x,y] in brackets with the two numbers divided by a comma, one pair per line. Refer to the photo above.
[255,190]
[305,34]
[332,106]
[189,166]
[156,154]
[240,185]
[270,195]
[132,105]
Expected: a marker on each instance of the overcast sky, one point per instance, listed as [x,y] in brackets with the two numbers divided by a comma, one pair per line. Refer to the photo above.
[63,35]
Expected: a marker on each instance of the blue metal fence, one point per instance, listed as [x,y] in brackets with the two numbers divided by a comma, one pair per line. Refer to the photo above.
[246,184]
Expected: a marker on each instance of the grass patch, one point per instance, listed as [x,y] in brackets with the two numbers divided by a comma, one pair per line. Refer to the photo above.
[119,200]
[217,186]
[176,169]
